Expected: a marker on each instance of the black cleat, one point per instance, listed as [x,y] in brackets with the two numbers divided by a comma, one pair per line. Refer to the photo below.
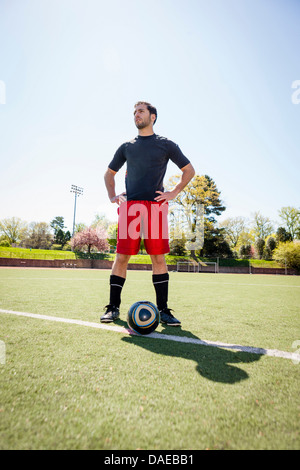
[167,317]
[112,313]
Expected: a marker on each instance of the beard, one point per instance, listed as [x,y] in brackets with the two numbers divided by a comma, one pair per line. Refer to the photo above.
[143,123]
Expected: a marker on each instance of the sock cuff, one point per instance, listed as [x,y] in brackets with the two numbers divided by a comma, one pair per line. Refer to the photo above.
[116,280]
[158,278]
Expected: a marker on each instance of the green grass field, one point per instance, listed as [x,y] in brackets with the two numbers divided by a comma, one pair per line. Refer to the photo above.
[66,386]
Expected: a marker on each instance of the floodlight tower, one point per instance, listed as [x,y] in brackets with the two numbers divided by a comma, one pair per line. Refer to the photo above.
[78,191]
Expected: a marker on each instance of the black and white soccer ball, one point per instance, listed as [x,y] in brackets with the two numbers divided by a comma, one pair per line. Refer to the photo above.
[143,317]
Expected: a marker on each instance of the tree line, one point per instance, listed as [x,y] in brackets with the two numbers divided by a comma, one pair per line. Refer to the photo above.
[38,235]
[235,237]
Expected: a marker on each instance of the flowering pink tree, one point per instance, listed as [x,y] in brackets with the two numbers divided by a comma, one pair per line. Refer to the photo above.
[90,238]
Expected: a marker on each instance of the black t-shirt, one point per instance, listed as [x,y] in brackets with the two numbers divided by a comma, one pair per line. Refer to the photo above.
[147,159]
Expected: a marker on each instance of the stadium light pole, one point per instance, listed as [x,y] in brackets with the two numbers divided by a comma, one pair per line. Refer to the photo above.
[78,191]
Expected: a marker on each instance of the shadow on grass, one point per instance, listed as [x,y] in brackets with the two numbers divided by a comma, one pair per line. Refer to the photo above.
[213,363]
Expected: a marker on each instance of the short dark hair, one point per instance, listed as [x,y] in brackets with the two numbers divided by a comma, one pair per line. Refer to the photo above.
[150,108]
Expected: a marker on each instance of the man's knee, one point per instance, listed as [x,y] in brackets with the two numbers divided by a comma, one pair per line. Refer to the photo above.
[159,263]
[158,258]
[122,259]
[120,265]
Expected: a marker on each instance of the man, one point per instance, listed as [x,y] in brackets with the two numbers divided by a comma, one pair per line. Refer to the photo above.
[143,211]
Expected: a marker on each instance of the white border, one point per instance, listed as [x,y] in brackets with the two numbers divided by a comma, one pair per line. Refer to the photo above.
[180,339]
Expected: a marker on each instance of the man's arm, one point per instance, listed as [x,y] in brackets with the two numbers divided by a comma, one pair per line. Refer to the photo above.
[188,173]
[109,179]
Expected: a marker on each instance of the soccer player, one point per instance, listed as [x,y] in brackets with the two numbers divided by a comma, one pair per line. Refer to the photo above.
[143,209]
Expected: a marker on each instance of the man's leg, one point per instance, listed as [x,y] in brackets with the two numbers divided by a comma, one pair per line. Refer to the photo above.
[120,265]
[116,282]
[126,246]
[160,280]
[159,265]
[117,278]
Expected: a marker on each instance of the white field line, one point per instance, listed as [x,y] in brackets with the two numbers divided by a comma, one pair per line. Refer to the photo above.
[180,339]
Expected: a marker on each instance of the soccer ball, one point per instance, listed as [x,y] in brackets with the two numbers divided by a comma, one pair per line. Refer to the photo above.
[143,317]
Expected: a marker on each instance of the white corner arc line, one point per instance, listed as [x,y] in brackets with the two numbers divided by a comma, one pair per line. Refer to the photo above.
[179,339]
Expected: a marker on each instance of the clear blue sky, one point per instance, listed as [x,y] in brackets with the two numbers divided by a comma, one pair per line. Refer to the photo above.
[220,73]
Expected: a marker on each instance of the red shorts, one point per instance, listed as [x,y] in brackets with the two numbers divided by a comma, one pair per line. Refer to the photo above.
[147,220]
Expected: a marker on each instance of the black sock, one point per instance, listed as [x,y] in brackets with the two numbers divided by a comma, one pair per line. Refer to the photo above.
[161,284]
[116,285]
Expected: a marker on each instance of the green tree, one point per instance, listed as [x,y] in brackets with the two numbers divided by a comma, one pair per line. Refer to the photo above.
[270,246]
[13,230]
[282,235]
[215,243]
[80,227]
[259,246]
[290,217]
[101,220]
[57,224]
[288,254]
[177,246]
[112,236]
[262,226]
[201,192]
[62,237]
[38,236]
[234,227]
[245,251]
